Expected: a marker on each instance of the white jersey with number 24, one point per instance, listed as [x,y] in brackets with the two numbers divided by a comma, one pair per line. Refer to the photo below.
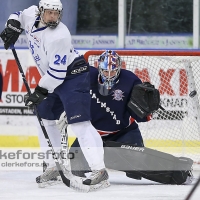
[51,49]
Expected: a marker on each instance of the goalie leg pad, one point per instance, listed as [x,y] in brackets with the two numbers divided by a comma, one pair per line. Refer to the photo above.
[150,164]
[139,162]
[164,177]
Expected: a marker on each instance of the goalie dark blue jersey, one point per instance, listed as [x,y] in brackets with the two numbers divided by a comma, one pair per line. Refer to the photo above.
[113,108]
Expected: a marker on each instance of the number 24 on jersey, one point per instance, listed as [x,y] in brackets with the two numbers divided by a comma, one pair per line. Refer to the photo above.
[60,60]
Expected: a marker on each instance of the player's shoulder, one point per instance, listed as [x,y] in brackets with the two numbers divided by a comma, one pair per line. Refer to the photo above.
[62,29]
[61,32]
[93,70]
[31,11]
[93,74]
[128,75]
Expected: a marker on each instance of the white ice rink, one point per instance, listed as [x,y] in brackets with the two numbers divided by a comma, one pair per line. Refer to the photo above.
[20,185]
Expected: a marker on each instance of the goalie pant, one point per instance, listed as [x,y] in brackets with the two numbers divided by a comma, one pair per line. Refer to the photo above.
[139,162]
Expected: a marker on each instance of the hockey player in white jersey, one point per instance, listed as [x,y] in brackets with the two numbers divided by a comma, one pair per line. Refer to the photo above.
[65,81]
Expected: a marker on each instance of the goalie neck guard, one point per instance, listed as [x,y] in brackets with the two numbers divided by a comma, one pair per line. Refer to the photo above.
[109,66]
[55,5]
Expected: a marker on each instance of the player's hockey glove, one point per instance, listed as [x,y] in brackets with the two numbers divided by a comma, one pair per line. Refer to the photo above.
[11,33]
[144,100]
[36,97]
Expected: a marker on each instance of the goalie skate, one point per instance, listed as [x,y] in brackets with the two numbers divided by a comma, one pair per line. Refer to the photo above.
[189,179]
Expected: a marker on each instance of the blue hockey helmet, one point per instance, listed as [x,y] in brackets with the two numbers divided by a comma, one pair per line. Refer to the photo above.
[109,66]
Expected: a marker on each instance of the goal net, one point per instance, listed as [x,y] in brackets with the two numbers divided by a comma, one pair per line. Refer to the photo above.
[175,130]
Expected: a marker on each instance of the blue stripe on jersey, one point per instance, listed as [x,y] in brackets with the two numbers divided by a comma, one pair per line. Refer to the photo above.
[36,24]
[57,70]
[54,76]
[39,29]
[17,13]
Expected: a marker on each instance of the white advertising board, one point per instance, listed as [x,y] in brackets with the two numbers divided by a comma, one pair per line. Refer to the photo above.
[131,42]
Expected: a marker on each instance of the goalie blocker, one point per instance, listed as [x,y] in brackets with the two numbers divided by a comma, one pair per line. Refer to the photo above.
[147,163]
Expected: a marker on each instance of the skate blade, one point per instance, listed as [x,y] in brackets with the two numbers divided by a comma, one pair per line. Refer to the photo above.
[76,183]
[50,183]
[99,186]
[80,187]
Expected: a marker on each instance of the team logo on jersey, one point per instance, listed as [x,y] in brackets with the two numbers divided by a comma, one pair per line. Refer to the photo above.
[36,39]
[118,95]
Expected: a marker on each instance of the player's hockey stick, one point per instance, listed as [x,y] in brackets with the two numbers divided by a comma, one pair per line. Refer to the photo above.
[76,183]
[193,189]
[65,148]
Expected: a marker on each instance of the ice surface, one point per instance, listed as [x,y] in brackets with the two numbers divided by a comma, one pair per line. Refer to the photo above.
[20,185]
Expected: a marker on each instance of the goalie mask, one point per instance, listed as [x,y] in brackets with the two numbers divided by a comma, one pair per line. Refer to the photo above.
[50,5]
[109,66]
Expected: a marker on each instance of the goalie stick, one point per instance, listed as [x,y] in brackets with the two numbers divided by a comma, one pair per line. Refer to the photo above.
[71,181]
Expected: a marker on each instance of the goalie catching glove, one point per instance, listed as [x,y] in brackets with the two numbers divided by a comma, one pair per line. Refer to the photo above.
[145,99]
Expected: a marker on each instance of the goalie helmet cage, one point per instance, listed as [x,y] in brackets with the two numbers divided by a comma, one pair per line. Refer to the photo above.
[176,74]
